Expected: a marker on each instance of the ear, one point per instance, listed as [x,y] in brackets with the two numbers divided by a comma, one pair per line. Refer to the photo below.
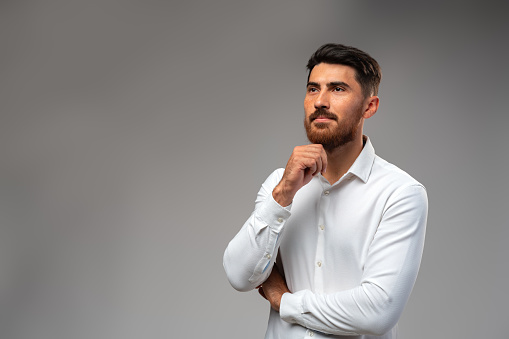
[371,107]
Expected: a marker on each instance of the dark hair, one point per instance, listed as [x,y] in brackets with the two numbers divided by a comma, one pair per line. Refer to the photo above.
[367,71]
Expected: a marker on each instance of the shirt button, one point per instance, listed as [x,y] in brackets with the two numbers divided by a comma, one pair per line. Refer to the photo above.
[326,192]
[311,334]
[268,256]
[280,219]
[319,264]
[322,227]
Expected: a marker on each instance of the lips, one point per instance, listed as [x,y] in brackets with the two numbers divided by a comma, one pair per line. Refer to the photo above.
[322,119]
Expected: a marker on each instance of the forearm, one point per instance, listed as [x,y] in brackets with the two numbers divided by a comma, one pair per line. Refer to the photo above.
[363,310]
[273,288]
[390,271]
[250,255]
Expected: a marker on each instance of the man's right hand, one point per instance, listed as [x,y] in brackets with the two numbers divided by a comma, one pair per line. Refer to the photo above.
[304,163]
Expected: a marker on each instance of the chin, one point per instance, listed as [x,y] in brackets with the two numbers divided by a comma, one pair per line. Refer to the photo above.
[321,126]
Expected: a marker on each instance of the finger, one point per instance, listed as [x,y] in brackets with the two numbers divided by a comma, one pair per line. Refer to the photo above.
[313,153]
[311,167]
[319,165]
[308,158]
[313,160]
[323,156]
[315,146]
[306,151]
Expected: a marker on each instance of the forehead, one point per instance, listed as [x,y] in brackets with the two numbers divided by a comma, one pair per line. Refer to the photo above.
[326,73]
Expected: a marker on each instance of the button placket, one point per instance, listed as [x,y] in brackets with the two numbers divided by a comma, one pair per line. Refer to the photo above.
[320,244]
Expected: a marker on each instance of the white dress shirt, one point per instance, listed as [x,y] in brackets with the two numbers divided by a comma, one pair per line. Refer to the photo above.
[350,252]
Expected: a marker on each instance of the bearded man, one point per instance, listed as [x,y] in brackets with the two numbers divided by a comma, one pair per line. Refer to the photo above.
[336,238]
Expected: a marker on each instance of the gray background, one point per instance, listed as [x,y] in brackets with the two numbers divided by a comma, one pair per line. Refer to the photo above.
[134,136]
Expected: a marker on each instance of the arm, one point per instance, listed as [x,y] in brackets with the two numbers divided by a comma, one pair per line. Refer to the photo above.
[374,306]
[275,286]
[249,257]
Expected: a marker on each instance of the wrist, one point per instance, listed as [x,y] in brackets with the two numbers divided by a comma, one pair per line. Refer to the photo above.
[276,300]
[281,197]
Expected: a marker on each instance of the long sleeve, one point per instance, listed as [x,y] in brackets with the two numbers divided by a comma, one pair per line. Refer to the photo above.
[249,257]
[390,271]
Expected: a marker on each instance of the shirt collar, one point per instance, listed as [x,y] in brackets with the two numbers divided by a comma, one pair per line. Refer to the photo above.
[363,165]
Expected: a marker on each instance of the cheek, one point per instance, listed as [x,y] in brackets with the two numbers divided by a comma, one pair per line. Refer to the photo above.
[344,105]
[309,104]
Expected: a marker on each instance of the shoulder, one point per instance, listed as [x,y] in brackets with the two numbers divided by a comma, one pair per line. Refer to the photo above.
[400,191]
[393,177]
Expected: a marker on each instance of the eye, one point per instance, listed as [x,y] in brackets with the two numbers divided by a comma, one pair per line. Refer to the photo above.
[338,89]
[312,89]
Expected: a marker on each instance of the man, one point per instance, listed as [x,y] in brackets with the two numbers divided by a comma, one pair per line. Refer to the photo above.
[336,238]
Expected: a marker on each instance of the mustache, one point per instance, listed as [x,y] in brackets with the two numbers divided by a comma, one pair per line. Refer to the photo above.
[322,112]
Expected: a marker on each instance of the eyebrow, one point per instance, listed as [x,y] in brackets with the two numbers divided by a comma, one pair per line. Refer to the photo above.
[330,84]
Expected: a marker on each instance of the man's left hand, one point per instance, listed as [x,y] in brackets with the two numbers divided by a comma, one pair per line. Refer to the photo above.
[273,288]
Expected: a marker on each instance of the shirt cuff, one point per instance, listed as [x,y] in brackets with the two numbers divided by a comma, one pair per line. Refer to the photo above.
[291,307]
[273,214]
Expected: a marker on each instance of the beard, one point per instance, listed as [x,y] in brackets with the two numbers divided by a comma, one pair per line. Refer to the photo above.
[331,137]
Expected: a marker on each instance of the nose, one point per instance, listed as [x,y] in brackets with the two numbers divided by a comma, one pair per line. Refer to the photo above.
[322,100]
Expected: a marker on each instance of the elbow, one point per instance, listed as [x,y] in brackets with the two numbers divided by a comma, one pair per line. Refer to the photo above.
[236,277]
[240,286]
[379,329]
[238,282]
[372,325]
[384,311]
[381,323]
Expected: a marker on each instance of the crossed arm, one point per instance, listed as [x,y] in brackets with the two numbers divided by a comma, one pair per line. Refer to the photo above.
[273,288]
[374,306]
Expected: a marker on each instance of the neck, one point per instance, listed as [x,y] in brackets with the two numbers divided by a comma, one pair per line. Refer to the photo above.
[340,159]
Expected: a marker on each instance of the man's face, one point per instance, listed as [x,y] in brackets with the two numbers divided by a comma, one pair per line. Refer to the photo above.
[333,106]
